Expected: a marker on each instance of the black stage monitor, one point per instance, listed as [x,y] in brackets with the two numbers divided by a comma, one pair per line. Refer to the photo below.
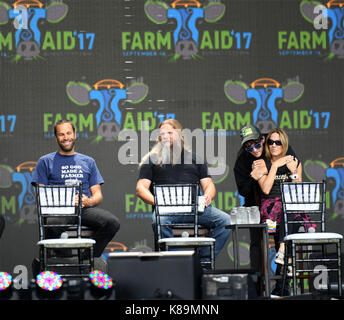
[155,275]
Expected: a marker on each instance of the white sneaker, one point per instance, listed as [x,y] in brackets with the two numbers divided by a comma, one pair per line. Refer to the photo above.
[290,272]
[279,257]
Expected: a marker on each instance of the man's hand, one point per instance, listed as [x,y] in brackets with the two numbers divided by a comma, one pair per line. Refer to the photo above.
[96,197]
[258,169]
[260,163]
[208,189]
[85,201]
[207,200]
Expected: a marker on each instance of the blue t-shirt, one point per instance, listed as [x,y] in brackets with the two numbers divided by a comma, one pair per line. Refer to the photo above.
[55,168]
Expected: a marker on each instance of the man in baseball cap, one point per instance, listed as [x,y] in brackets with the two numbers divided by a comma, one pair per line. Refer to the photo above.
[248,133]
[251,156]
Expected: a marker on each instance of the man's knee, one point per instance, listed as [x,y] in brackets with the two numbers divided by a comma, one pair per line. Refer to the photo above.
[220,218]
[226,219]
[113,225]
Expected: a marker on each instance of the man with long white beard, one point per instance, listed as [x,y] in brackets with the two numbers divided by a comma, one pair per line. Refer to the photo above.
[171,162]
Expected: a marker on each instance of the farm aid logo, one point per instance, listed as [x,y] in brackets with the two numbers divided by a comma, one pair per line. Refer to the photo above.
[25,31]
[17,199]
[333,173]
[326,38]
[267,103]
[187,34]
[103,113]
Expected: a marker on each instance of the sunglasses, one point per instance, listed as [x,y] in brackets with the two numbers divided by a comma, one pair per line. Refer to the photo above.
[270,142]
[254,146]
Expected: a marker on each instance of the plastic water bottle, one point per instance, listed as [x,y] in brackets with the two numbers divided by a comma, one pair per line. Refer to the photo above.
[254,215]
[242,215]
[233,215]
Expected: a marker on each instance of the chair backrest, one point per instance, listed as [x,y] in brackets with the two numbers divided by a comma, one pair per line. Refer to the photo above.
[57,203]
[303,205]
[176,200]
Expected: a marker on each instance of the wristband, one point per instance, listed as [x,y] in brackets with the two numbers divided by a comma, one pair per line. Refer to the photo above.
[294,176]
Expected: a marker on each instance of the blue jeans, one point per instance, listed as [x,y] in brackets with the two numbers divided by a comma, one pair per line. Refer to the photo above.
[212,218]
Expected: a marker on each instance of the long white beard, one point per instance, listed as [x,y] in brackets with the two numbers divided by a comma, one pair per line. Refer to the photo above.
[163,154]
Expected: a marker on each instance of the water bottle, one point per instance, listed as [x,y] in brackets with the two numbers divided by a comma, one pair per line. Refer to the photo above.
[254,215]
[233,215]
[242,215]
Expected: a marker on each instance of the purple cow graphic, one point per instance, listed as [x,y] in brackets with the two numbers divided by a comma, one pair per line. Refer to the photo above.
[108,93]
[26,15]
[335,13]
[264,92]
[185,13]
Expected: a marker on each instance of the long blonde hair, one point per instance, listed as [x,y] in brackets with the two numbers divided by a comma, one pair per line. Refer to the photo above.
[284,139]
[156,150]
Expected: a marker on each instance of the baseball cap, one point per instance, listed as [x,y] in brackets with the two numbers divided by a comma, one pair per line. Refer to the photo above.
[250,132]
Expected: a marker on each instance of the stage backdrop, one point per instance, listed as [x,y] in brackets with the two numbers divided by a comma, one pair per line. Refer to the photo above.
[216,66]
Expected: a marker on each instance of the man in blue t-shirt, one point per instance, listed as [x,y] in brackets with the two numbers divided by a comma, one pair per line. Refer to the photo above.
[65,166]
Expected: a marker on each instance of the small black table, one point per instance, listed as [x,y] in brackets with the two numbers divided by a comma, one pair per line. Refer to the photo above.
[262,227]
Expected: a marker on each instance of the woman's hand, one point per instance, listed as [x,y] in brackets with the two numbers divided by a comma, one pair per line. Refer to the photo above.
[282,161]
[292,164]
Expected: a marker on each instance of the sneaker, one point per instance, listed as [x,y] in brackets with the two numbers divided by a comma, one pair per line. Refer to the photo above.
[279,257]
[290,272]
[277,293]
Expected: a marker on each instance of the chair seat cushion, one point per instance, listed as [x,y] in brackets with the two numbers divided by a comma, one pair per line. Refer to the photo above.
[188,241]
[67,243]
[314,236]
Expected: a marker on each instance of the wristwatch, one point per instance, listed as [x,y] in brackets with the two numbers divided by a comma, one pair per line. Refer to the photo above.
[294,176]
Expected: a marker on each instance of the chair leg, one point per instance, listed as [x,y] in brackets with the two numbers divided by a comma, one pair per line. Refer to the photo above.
[285,269]
[45,257]
[80,261]
[302,280]
[294,267]
[339,264]
[91,258]
[41,259]
[212,256]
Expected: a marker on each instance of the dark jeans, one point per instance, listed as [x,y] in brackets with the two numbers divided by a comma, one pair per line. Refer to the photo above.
[256,257]
[103,224]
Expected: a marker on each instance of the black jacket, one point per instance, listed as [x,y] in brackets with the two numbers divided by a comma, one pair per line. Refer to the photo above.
[247,186]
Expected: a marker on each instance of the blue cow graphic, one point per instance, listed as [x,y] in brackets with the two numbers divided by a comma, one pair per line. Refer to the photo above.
[265,92]
[336,16]
[185,13]
[334,174]
[26,15]
[108,93]
[26,198]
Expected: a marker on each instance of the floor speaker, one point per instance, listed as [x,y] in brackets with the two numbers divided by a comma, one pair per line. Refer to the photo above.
[155,275]
[230,285]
